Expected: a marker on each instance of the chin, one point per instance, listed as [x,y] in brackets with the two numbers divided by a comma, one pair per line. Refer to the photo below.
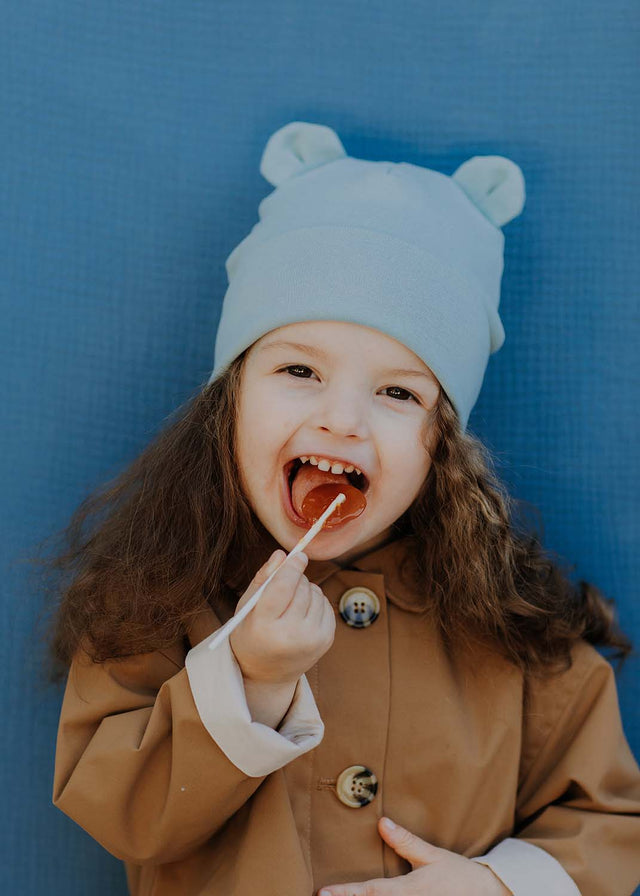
[325,545]
[342,549]
[320,552]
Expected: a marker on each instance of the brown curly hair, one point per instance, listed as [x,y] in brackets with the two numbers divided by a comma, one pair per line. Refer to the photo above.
[144,551]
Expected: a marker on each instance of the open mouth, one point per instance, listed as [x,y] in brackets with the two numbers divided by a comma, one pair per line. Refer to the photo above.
[358,480]
[289,473]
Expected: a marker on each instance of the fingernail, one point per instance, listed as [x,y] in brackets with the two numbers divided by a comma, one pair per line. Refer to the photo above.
[324,893]
[388,825]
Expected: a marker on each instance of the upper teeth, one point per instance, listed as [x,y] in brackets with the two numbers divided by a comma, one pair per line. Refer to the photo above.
[322,464]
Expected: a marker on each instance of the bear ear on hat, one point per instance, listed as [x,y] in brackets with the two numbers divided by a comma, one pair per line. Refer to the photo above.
[297,147]
[495,185]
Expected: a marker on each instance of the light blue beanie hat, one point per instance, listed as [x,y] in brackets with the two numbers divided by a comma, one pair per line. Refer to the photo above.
[406,250]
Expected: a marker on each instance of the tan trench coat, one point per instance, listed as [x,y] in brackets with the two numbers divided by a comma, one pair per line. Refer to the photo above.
[466,753]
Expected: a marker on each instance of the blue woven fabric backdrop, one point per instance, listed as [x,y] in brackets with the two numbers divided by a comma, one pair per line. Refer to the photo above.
[131,137]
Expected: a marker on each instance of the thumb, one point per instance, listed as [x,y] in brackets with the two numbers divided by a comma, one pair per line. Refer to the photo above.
[272,564]
[261,577]
[408,845]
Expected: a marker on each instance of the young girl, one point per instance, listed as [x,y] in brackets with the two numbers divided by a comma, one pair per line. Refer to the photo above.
[423,663]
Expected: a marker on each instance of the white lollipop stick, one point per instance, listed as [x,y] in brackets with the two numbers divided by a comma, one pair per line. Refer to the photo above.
[229,626]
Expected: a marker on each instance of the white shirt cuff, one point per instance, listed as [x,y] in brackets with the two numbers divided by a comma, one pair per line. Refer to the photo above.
[528,870]
[217,686]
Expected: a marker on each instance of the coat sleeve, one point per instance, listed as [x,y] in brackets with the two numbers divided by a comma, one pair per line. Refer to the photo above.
[579,791]
[137,767]
[218,690]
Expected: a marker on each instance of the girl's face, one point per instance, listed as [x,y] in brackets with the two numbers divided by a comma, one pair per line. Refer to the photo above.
[338,393]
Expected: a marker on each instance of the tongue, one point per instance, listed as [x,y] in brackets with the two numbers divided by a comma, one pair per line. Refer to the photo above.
[309,477]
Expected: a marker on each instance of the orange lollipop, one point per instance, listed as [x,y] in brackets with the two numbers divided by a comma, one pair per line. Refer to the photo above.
[320,497]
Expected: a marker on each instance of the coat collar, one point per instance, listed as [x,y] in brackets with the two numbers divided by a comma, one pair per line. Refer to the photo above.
[393,561]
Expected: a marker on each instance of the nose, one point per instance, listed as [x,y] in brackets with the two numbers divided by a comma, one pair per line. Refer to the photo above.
[343,413]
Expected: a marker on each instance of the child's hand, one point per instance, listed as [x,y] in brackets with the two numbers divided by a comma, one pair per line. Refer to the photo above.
[289,629]
[436,872]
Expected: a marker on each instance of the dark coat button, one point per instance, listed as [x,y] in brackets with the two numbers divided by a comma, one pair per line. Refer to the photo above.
[359,606]
[357,786]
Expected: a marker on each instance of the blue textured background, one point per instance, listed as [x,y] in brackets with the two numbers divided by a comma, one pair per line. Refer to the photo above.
[131,136]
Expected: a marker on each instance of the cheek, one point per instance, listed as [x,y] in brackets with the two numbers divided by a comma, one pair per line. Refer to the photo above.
[260,444]
[256,422]
[408,464]
[252,412]
[405,446]
[268,410]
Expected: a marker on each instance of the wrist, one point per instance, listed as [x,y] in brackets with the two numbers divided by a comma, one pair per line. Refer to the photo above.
[274,684]
[269,702]
[256,674]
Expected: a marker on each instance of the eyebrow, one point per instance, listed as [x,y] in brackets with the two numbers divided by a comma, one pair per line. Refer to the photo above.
[316,352]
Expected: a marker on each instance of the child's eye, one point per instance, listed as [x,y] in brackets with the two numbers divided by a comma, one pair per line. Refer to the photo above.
[296,367]
[398,389]
[388,388]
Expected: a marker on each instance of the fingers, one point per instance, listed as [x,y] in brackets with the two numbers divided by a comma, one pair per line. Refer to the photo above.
[292,598]
[302,599]
[282,588]
[307,605]
[316,601]
[261,576]
[322,618]
[408,845]
[274,561]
